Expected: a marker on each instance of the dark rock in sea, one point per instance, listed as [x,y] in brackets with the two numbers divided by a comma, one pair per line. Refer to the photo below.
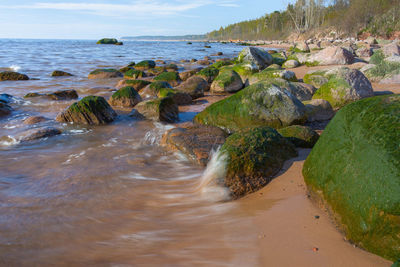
[12,76]
[261,104]
[6,98]
[161,109]
[137,84]
[194,86]
[5,109]
[354,170]
[40,133]
[227,81]
[111,41]
[34,120]
[92,110]
[145,65]
[196,142]
[253,157]
[57,95]
[170,77]
[60,73]
[134,73]
[105,74]
[300,136]
[125,97]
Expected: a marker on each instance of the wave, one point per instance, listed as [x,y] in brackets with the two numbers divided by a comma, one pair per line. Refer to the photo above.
[15,68]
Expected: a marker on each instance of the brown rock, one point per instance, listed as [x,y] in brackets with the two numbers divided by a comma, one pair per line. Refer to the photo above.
[34,120]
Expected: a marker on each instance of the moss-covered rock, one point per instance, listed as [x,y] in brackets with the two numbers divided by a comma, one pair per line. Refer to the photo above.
[221,64]
[145,65]
[355,169]
[253,157]
[92,110]
[227,81]
[208,74]
[134,74]
[271,74]
[381,68]
[196,142]
[157,70]
[105,74]
[300,136]
[12,76]
[125,97]
[189,73]
[60,73]
[315,78]
[137,84]
[171,67]
[257,56]
[161,109]
[171,77]
[278,59]
[274,67]
[194,86]
[289,64]
[261,104]
[57,95]
[301,91]
[344,86]
[107,41]
[179,97]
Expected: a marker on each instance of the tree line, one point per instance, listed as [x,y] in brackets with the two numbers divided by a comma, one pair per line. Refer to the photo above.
[346,17]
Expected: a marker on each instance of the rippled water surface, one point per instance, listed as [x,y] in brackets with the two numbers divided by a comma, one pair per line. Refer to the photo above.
[104,195]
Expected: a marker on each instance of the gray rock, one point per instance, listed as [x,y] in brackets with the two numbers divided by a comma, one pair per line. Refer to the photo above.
[257,56]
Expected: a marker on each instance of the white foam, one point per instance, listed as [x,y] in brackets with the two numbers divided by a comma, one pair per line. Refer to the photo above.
[8,141]
[15,68]
[153,137]
[211,180]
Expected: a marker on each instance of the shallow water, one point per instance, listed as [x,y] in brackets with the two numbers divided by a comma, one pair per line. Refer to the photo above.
[104,195]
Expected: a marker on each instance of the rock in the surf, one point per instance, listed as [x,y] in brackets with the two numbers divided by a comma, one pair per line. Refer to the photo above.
[125,97]
[39,133]
[60,73]
[161,109]
[105,74]
[12,76]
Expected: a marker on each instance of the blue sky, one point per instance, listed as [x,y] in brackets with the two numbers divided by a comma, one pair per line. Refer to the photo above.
[94,19]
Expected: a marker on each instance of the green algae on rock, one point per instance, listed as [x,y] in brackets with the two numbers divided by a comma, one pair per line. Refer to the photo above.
[111,41]
[152,90]
[257,56]
[171,77]
[300,136]
[179,97]
[105,74]
[227,81]
[92,110]
[135,74]
[208,74]
[161,109]
[253,157]
[137,84]
[60,73]
[145,65]
[355,170]
[13,76]
[125,97]
[194,86]
[261,104]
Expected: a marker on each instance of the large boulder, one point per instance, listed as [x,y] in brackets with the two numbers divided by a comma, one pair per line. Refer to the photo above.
[354,169]
[302,47]
[256,56]
[318,110]
[170,77]
[161,109]
[300,136]
[92,110]
[208,74]
[227,81]
[253,156]
[344,86]
[105,74]
[125,97]
[332,55]
[134,74]
[137,84]
[194,86]
[196,142]
[12,76]
[108,41]
[301,91]
[392,49]
[261,104]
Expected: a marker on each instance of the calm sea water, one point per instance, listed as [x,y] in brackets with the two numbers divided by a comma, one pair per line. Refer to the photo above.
[107,195]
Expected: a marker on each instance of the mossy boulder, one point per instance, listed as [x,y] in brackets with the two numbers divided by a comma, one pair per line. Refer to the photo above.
[315,78]
[134,74]
[354,169]
[261,104]
[301,91]
[161,109]
[300,136]
[92,110]
[157,70]
[125,97]
[222,63]
[112,41]
[195,142]
[245,70]
[227,81]
[105,74]
[194,86]
[12,76]
[271,74]
[152,90]
[179,97]
[273,67]
[290,64]
[60,73]
[208,74]
[253,156]
[256,56]
[145,65]
[171,77]
[344,86]
[137,84]
[171,67]
[278,59]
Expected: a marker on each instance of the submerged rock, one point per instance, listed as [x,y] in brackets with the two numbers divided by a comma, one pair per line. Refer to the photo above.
[57,95]
[39,133]
[354,169]
[125,97]
[161,109]
[34,120]
[227,81]
[12,76]
[300,136]
[92,110]
[253,157]
[59,73]
[196,142]
[105,74]
[261,104]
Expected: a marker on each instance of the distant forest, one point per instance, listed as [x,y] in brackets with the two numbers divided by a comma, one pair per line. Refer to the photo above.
[346,17]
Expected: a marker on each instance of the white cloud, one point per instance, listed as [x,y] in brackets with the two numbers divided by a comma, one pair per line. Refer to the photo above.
[139,7]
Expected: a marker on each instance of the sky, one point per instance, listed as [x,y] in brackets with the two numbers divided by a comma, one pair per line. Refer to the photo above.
[95,19]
